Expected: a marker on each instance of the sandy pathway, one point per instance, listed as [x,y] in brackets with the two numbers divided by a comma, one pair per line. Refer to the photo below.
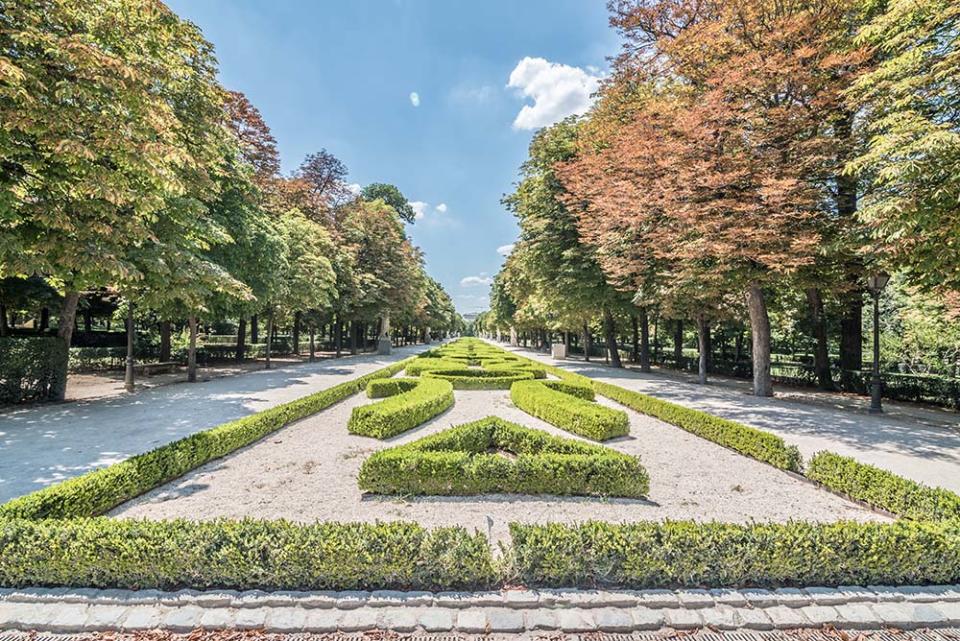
[308,472]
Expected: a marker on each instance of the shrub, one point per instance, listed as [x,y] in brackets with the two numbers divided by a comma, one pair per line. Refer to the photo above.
[420,365]
[241,555]
[381,388]
[403,411]
[574,412]
[478,379]
[97,492]
[32,369]
[691,554]
[741,438]
[493,455]
[511,366]
[883,489]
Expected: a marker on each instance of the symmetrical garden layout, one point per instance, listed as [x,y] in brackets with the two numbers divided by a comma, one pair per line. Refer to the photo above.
[581,483]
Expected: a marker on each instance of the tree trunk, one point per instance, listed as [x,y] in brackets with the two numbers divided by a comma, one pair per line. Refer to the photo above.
[164,341]
[851,341]
[338,336]
[312,344]
[610,329]
[644,340]
[635,345]
[128,378]
[760,333]
[269,336]
[44,319]
[353,337]
[68,314]
[566,341]
[87,320]
[192,351]
[703,343]
[586,343]
[254,330]
[678,344]
[821,354]
[296,333]
[3,320]
[241,339]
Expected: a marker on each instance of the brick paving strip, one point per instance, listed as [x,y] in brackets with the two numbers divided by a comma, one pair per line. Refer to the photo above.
[70,610]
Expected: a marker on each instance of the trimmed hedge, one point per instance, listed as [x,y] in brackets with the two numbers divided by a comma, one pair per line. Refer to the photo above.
[32,369]
[511,366]
[467,459]
[478,379]
[99,491]
[690,554]
[403,411]
[883,489]
[385,387]
[569,407]
[241,555]
[420,365]
[741,438]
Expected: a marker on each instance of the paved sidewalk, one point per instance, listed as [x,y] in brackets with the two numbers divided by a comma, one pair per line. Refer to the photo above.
[40,445]
[66,610]
[911,447]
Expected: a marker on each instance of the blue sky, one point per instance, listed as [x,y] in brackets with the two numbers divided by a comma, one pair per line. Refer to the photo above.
[340,75]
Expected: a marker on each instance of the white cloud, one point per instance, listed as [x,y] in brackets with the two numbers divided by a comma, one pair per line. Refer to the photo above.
[442,208]
[504,250]
[468,95]
[414,99]
[475,281]
[557,91]
[355,188]
[419,208]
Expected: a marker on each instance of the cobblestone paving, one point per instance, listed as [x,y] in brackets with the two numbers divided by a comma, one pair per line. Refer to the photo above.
[65,610]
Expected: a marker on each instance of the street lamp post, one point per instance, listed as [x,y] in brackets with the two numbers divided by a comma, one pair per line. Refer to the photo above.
[875,283]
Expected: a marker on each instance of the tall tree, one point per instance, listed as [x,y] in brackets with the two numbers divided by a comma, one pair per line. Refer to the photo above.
[391,195]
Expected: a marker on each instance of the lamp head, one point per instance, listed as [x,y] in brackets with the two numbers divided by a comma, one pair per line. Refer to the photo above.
[877,281]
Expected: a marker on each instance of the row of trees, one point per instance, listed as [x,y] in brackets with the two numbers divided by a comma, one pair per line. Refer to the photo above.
[126,165]
[741,151]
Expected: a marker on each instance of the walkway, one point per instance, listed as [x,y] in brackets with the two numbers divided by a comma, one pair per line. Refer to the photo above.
[926,451]
[40,445]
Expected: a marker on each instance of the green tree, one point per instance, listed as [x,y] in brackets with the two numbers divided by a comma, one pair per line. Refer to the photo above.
[392,196]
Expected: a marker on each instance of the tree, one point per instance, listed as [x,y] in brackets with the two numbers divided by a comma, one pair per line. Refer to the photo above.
[392,196]
[258,147]
[911,105]
[111,119]
[325,174]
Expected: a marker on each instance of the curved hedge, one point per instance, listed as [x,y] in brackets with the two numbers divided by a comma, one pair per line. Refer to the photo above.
[402,411]
[466,460]
[883,489]
[478,379]
[420,365]
[570,408]
[99,491]
[509,366]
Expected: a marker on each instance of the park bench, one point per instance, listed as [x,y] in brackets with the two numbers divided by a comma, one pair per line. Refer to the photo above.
[149,369]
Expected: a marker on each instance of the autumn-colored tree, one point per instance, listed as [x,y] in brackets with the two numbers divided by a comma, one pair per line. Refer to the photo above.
[258,147]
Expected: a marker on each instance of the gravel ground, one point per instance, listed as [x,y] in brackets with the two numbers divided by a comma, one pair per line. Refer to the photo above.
[308,472]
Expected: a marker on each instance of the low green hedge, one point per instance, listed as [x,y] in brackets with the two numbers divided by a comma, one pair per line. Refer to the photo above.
[32,369]
[552,402]
[492,455]
[514,366]
[690,554]
[420,365]
[385,387]
[478,379]
[744,439]
[883,489]
[241,555]
[99,491]
[403,411]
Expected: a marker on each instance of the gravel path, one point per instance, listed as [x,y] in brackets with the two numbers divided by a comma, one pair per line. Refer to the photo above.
[43,444]
[926,453]
[308,472]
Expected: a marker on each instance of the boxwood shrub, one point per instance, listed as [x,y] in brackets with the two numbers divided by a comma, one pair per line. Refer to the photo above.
[241,555]
[675,554]
[744,439]
[492,455]
[883,489]
[384,387]
[574,412]
[403,411]
[32,369]
[418,366]
[99,491]
[514,365]
[478,379]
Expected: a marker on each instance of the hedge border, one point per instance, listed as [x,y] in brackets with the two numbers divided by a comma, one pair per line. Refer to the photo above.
[478,379]
[456,462]
[403,410]
[567,406]
[99,491]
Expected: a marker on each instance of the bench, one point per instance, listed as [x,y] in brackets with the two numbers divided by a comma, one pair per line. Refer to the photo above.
[149,369]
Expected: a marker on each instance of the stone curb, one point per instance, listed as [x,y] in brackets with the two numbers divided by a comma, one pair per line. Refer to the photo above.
[88,610]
